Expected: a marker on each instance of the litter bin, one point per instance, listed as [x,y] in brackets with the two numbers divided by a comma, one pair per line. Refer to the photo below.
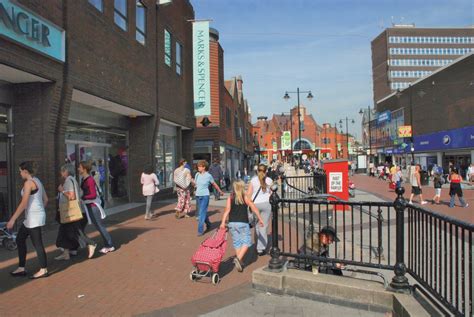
[424,178]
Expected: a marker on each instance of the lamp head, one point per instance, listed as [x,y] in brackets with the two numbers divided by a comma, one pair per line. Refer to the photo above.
[286,96]
[310,96]
[205,122]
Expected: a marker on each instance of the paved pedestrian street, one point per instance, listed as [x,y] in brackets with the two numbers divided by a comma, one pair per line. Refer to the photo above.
[380,189]
[149,271]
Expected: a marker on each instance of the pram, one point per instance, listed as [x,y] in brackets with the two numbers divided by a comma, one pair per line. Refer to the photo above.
[7,239]
[208,257]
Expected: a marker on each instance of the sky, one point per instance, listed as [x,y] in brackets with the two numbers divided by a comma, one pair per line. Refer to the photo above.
[322,46]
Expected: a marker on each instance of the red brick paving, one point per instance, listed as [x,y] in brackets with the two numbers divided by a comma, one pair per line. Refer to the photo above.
[380,189]
[149,271]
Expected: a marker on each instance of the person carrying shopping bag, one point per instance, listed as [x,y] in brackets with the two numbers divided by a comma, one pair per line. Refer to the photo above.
[259,191]
[94,211]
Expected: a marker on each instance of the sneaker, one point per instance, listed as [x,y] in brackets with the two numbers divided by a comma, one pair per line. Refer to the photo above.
[238,265]
[424,202]
[105,250]
[467,205]
[63,257]
[91,250]
[73,252]
[410,202]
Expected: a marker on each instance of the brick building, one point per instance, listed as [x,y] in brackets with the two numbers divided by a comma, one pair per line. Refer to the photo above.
[440,109]
[107,81]
[404,53]
[227,137]
[316,141]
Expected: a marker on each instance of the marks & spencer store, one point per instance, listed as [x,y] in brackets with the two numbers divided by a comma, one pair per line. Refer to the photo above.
[76,85]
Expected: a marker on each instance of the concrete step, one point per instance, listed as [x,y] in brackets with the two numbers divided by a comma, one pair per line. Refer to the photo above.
[338,290]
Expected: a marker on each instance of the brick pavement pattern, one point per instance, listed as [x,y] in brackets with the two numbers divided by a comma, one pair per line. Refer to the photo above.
[149,271]
[380,189]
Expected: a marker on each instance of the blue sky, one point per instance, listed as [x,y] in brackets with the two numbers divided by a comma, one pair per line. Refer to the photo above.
[322,46]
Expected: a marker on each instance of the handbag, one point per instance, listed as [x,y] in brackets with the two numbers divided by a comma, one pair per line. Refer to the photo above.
[251,215]
[180,179]
[70,211]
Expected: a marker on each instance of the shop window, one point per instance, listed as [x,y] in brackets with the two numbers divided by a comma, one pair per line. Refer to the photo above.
[98,4]
[165,155]
[179,49]
[167,48]
[140,20]
[120,14]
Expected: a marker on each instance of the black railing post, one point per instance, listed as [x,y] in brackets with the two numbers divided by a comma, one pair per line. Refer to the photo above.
[275,264]
[400,281]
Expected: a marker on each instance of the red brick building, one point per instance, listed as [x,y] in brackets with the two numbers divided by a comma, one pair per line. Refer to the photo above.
[227,137]
[107,81]
[316,141]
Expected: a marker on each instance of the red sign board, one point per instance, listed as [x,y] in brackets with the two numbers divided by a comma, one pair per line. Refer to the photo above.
[337,178]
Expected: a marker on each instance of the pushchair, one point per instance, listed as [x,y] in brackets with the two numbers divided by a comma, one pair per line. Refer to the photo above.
[208,257]
[7,239]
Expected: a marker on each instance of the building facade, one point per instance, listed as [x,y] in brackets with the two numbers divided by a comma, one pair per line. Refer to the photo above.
[440,110]
[227,137]
[404,53]
[86,80]
[320,142]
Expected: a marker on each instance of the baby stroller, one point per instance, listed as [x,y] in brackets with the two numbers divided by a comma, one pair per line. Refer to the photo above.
[7,239]
[209,256]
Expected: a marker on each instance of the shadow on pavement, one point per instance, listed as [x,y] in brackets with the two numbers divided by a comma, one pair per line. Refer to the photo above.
[120,237]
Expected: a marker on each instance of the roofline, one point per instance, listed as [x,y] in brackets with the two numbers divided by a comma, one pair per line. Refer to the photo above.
[432,28]
[424,78]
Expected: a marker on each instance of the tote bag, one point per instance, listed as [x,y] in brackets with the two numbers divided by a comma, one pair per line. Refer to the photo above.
[70,210]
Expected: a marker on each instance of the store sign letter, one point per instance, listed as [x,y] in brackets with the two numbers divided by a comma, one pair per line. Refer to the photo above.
[201,76]
[24,27]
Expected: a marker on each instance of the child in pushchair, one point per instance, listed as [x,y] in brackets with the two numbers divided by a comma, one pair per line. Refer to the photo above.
[7,239]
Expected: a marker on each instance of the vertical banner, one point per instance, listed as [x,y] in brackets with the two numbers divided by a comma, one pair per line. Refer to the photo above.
[201,76]
[286,140]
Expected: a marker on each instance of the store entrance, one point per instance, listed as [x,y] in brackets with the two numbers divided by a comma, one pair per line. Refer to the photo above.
[6,177]
[109,161]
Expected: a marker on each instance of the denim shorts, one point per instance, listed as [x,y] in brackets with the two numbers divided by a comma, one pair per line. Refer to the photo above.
[240,232]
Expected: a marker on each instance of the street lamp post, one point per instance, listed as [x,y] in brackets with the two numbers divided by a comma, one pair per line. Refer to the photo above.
[347,132]
[335,138]
[297,92]
[361,112]
[257,146]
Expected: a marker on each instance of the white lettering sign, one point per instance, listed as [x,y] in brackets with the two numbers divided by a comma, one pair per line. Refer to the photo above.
[335,182]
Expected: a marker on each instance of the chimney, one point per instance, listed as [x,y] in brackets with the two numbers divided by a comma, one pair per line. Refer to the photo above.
[239,83]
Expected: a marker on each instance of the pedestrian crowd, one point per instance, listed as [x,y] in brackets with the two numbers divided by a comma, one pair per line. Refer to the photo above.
[81,202]
[439,176]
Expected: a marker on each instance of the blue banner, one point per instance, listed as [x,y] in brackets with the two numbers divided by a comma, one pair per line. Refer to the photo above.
[444,140]
[384,116]
[29,29]
[201,69]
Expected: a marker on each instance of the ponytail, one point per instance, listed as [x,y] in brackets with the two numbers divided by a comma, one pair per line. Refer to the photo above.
[262,170]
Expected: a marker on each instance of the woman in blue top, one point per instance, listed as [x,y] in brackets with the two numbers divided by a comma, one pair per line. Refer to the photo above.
[202,182]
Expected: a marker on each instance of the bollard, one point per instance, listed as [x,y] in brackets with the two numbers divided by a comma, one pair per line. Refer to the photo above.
[400,282]
[275,264]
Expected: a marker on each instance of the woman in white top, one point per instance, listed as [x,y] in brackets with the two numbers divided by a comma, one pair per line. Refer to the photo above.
[259,191]
[150,184]
[33,203]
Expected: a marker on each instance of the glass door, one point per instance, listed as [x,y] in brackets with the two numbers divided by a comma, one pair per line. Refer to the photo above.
[6,177]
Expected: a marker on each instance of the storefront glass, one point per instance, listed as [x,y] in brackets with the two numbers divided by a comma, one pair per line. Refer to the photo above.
[5,178]
[107,150]
[165,154]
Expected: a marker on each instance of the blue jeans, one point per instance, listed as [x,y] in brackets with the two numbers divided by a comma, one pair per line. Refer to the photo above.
[461,200]
[94,214]
[203,203]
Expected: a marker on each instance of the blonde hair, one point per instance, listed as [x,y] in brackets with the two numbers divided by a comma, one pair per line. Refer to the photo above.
[262,170]
[238,192]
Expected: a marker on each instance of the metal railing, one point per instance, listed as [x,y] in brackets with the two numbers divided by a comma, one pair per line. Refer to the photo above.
[379,235]
[295,187]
